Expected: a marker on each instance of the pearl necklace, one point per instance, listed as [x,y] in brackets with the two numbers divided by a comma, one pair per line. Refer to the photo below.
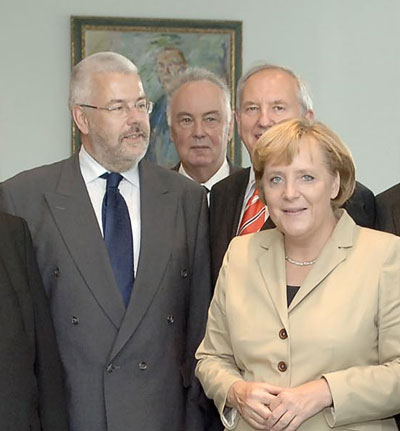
[296,262]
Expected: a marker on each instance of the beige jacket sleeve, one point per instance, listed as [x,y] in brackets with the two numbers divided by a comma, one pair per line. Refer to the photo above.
[216,368]
[363,393]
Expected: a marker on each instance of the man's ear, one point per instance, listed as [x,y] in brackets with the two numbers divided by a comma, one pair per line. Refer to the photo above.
[80,119]
[309,114]
[172,134]
[231,126]
[237,118]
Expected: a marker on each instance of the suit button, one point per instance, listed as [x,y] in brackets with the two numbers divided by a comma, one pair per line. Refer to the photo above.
[75,320]
[142,366]
[282,367]
[171,319]
[184,273]
[110,368]
[56,272]
[283,334]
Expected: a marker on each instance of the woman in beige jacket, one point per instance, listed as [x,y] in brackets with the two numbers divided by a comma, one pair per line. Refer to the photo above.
[304,327]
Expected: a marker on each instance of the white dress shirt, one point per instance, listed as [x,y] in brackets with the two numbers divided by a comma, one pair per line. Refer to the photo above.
[129,188]
[222,173]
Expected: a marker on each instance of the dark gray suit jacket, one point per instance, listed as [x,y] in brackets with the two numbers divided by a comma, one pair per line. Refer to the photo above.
[31,380]
[388,220]
[126,369]
[226,202]
[388,210]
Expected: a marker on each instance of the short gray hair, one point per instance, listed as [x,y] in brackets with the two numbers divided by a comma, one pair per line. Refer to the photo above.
[80,85]
[194,74]
[303,93]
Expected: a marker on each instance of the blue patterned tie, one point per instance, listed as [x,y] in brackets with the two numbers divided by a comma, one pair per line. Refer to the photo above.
[117,232]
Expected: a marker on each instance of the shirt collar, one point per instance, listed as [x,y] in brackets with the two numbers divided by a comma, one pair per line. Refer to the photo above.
[91,169]
[222,173]
[252,176]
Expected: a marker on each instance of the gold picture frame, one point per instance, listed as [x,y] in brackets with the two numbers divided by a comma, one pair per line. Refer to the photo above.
[215,45]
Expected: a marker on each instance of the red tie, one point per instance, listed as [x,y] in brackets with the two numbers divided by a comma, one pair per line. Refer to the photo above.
[253,216]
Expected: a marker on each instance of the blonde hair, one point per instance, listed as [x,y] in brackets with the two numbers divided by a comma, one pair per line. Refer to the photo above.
[282,142]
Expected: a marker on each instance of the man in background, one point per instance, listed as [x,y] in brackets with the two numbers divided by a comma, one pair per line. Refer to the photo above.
[200,118]
[123,250]
[388,220]
[266,95]
[388,210]
[170,62]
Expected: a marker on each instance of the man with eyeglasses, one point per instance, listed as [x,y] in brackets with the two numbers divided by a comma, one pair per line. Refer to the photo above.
[123,250]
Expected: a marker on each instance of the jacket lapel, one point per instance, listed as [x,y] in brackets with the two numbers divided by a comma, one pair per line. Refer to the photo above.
[238,194]
[334,252]
[272,266]
[271,262]
[158,209]
[75,218]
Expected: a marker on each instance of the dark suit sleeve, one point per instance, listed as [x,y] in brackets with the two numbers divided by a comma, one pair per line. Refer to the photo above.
[384,220]
[225,209]
[5,202]
[361,206]
[201,414]
[387,208]
[48,369]
[226,200]
[216,231]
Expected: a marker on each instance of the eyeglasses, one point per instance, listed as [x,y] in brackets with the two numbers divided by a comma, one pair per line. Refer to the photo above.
[123,109]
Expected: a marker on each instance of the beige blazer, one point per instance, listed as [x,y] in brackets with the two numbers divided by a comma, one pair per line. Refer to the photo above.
[343,324]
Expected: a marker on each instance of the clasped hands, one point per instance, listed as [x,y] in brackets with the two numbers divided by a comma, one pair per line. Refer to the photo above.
[273,408]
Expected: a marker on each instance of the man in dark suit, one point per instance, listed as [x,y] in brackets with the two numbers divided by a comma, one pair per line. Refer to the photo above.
[200,117]
[388,220]
[266,95]
[128,315]
[388,210]
[31,379]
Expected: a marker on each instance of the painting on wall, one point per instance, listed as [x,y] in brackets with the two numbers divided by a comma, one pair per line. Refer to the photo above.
[161,48]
